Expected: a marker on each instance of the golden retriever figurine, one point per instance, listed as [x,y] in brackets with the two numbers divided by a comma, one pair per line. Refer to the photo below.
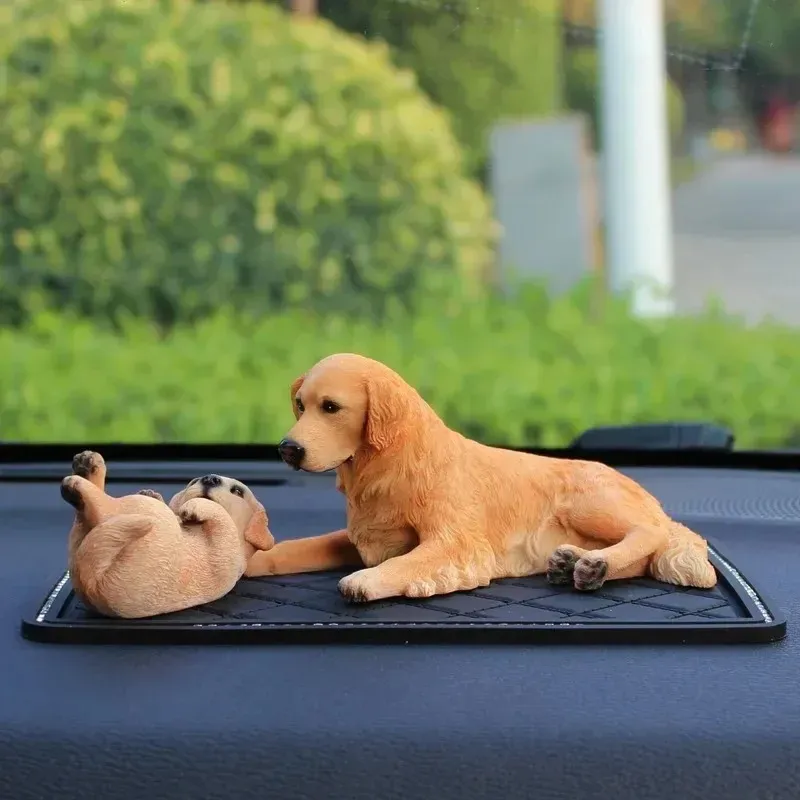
[431,512]
[135,556]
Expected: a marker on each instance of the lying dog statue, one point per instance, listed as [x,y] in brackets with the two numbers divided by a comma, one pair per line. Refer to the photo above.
[430,511]
[135,556]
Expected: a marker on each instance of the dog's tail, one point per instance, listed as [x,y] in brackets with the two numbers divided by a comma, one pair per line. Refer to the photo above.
[103,546]
[684,561]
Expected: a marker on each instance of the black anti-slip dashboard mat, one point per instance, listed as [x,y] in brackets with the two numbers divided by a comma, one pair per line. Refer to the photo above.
[309,609]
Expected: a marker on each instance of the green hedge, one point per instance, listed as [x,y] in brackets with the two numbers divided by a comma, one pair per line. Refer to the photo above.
[529,372]
[582,93]
[484,62]
[158,155]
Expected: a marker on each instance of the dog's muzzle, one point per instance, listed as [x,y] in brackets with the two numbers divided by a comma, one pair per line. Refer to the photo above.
[209,482]
[292,453]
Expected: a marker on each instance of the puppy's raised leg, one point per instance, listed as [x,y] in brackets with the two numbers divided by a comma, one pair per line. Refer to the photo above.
[99,552]
[92,466]
[84,490]
[312,554]
[427,570]
[92,505]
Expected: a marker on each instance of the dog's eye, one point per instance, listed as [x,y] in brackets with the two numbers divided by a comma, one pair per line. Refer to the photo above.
[329,407]
[237,490]
[299,403]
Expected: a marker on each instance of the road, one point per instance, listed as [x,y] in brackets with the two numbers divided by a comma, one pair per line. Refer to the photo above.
[737,236]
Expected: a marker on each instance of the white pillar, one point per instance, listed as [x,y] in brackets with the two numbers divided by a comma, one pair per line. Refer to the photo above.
[636,160]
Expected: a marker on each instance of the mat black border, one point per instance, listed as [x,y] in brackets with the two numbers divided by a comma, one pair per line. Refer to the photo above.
[765,626]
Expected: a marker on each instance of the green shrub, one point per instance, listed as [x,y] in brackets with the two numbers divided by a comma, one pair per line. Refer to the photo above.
[582,93]
[485,62]
[157,156]
[532,372]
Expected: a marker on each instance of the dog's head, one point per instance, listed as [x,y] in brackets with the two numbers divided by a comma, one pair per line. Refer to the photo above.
[344,404]
[249,516]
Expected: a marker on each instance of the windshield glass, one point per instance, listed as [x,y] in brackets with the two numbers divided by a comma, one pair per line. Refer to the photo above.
[546,215]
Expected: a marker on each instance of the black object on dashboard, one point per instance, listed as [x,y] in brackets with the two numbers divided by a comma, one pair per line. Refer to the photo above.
[656,436]
[309,609]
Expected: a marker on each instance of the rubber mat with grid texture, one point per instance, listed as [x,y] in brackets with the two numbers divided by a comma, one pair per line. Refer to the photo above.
[309,608]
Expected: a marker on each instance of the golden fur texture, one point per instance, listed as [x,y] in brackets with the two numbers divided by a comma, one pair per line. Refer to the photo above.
[431,512]
[135,556]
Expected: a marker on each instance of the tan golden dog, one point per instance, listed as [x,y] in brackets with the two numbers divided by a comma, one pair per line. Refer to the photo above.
[430,511]
[135,556]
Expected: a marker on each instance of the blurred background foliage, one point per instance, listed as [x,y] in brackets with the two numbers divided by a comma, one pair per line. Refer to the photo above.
[199,198]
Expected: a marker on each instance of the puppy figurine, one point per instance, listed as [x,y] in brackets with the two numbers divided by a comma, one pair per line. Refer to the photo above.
[135,556]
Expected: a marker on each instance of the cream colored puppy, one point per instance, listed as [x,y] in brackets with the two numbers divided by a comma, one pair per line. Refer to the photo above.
[135,556]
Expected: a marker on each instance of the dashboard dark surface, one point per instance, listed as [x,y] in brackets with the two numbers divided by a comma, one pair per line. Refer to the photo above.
[393,721]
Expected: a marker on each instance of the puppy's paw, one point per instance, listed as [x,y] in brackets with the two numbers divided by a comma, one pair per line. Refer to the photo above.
[151,493]
[71,493]
[193,512]
[561,566]
[87,464]
[260,564]
[362,586]
[590,572]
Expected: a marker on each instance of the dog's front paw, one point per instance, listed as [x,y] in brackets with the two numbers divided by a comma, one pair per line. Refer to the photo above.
[193,512]
[87,463]
[151,493]
[590,572]
[362,586]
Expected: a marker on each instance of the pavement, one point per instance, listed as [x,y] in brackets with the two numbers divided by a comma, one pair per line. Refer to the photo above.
[737,237]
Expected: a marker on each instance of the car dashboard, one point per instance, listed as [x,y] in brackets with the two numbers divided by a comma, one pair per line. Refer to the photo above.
[394,720]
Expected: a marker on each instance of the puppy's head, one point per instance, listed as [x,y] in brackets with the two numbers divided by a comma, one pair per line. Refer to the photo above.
[343,404]
[249,516]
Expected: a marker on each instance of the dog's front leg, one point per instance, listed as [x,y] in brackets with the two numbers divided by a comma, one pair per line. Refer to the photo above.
[312,554]
[429,569]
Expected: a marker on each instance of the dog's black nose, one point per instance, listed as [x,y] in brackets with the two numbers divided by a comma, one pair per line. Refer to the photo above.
[292,453]
[210,481]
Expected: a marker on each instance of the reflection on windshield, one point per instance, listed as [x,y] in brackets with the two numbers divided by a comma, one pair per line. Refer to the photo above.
[545,214]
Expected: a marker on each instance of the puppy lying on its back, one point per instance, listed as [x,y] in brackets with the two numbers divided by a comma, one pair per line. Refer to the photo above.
[135,556]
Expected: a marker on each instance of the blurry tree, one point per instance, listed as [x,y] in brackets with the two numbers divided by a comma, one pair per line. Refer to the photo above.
[769,30]
[163,158]
[482,61]
[774,38]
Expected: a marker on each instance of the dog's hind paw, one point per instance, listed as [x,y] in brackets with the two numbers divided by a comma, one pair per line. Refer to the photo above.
[590,572]
[561,566]
[87,463]
[151,493]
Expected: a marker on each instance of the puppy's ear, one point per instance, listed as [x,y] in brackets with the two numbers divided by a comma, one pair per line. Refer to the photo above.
[390,404]
[257,532]
[295,388]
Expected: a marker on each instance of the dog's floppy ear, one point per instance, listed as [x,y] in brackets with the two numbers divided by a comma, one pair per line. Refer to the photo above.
[389,410]
[257,532]
[295,388]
